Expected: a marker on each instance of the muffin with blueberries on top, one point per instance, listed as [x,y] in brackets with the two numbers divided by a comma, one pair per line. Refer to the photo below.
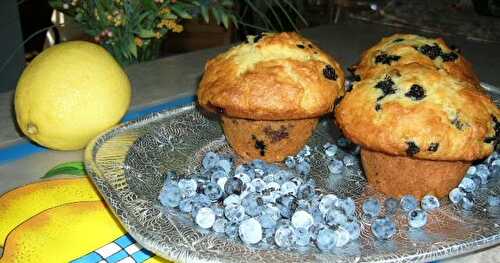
[270,93]
[400,49]
[419,126]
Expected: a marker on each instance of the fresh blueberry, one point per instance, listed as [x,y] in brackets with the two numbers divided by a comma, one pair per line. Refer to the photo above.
[213,191]
[494,200]
[391,205]
[315,228]
[284,236]
[289,188]
[218,209]
[471,170]
[349,160]
[305,152]
[467,202]
[233,186]
[224,164]
[258,164]
[252,204]
[408,203]
[219,225]
[456,195]
[258,185]
[302,236]
[383,228]
[231,229]
[468,185]
[305,191]
[201,200]
[210,160]
[232,200]
[328,202]
[170,196]
[495,168]
[272,186]
[285,211]
[303,204]
[216,173]
[343,142]
[336,166]
[205,218]
[348,206]
[354,229]
[273,211]
[302,219]
[417,218]
[270,196]
[267,221]
[186,205]
[483,172]
[335,217]
[187,187]
[297,181]
[171,177]
[371,207]
[244,177]
[290,162]
[250,231]
[477,180]
[234,213]
[342,236]
[303,168]
[429,202]
[326,239]
[331,150]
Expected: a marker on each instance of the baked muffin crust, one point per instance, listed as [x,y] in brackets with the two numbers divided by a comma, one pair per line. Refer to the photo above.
[279,77]
[400,49]
[419,111]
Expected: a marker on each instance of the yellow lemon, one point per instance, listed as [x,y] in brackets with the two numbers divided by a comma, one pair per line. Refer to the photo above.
[70,93]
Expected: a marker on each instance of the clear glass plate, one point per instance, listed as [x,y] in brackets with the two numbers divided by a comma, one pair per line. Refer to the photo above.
[128,163]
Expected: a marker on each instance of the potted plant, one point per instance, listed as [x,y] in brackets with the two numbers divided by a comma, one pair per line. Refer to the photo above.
[133,30]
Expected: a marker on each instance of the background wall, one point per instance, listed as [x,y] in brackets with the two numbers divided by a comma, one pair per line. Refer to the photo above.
[11,37]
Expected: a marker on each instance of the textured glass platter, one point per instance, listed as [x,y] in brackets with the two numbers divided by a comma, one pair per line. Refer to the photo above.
[128,163]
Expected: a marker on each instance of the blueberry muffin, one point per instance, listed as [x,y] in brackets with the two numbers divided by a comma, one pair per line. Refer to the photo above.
[402,49]
[419,127]
[270,92]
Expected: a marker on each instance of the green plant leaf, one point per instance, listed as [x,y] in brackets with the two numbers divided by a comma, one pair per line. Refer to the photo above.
[71,168]
[144,33]
[204,13]
[234,20]
[132,48]
[225,20]
[180,11]
[227,3]
[216,14]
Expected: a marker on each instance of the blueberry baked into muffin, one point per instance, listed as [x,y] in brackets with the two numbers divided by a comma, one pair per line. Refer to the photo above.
[400,49]
[420,127]
[270,93]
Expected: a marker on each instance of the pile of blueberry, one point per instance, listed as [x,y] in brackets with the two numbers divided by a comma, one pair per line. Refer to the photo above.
[268,205]
[466,194]
[263,204]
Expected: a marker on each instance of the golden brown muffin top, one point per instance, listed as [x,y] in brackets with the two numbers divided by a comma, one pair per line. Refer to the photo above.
[417,110]
[401,49]
[273,77]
